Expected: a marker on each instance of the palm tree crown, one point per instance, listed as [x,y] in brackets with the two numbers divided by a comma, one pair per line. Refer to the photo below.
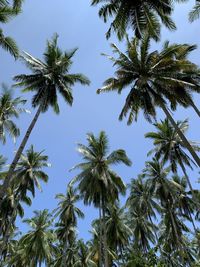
[138,15]
[50,76]
[140,69]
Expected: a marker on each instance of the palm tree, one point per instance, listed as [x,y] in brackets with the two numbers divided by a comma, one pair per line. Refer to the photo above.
[138,15]
[98,184]
[149,86]
[170,147]
[143,230]
[68,214]
[46,79]
[118,231]
[11,208]
[27,175]
[195,13]
[38,242]
[185,204]
[9,107]
[29,172]
[165,191]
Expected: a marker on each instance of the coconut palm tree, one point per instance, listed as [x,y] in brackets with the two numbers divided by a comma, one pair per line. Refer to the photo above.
[150,87]
[139,16]
[10,209]
[38,242]
[10,107]
[169,147]
[165,191]
[195,13]
[143,230]
[185,204]
[118,231]
[98,184]
[48,77]
[29,172]
[27,175]
[68,214]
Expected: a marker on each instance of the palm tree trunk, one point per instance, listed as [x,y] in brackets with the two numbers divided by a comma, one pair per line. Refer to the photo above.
[195,108]
[63,263]
[182,136]
[106,260]
[100,238]
[17,156]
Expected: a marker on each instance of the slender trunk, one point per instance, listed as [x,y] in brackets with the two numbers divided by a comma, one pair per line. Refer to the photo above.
[193,224]
[195,108]
[100,238]
[106,260]
[17,156]
[63,263]
[182,136]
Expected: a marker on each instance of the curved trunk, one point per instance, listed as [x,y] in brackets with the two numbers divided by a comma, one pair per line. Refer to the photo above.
[18,155]
[195,108]
[106,260]
[182,136]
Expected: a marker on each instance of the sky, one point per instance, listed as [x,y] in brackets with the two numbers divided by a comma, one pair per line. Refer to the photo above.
[78,25]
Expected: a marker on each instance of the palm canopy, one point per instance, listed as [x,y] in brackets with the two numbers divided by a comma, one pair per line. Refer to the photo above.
[153,77]
[140,16]
[50,76]
[37,243]
[10,107]
[29,171]
[141,197]
[169,146]
[96,179]
[67,210]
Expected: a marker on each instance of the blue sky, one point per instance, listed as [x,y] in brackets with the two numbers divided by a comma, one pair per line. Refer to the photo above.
[78,25]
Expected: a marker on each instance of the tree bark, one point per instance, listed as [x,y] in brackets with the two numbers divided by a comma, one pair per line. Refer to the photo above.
[106,260]
[100,238]
[182,136]
[18,155]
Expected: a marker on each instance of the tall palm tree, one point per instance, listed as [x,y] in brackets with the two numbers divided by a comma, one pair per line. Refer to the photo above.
[150,87]
[138,15]
[27,175]
[169,147]
[29,172]
[166,193]
[47,78]
[98,184]
[10,107]
[68,214]
[38,242]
